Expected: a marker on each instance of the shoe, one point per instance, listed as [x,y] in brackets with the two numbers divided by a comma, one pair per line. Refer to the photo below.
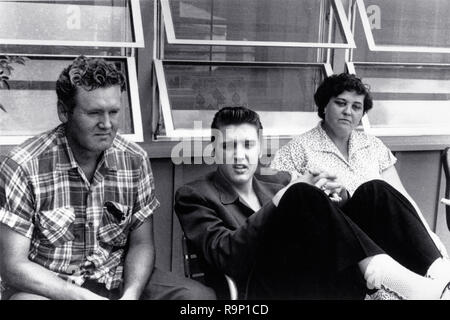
[383,294]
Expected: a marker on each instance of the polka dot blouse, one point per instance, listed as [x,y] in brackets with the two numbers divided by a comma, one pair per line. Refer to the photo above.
[368,157]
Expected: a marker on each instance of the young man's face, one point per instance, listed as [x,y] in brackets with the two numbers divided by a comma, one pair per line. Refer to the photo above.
[92,125]
[237,149]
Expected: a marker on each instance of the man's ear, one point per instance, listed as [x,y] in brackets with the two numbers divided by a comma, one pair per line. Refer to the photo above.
[62,112]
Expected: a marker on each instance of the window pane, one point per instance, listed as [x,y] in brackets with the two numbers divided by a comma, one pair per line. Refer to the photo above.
[404,23]
[92,20]
[30,103]
[249,20]
[408,97]
[410,23]
[283,95]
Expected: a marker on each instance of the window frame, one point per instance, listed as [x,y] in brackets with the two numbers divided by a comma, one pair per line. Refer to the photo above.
[137,31]
[173,134]
[361,7]
[338,10]
[399,131]
[136,117]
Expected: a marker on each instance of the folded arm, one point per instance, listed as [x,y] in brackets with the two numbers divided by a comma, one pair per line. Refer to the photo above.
[28,276]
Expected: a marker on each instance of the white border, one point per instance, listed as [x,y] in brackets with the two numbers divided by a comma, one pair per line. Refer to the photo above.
[136,117]
[164,98]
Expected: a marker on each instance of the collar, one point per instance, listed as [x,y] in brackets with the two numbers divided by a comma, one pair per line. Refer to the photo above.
[66,159]
[111,157]
[228,195]
[358,140]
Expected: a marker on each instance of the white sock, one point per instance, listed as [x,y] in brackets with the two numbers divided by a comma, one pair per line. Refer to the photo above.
[439,269]
[384,272]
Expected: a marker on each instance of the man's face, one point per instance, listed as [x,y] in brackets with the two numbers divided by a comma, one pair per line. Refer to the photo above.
[92,125]
[237,150]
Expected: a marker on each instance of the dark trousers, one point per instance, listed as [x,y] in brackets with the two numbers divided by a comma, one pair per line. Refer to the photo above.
[163,285]
[311,248]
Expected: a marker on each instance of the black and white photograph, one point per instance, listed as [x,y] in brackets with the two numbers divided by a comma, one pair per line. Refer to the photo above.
[225,158]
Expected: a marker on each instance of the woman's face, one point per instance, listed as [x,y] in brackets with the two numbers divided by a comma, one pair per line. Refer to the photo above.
[344,112]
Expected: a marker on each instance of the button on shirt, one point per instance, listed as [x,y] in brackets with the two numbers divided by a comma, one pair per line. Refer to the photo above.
[368,157]
[78,229]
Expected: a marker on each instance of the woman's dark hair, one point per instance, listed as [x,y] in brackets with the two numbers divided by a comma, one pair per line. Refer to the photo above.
[335,85]
[89,74]
[233,116]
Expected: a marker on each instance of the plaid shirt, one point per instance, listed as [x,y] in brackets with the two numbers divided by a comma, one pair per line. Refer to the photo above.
[78,229]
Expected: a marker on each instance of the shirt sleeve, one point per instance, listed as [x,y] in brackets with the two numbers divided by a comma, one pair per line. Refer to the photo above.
[146,202]
[290,158]
[17,207]
[384,156]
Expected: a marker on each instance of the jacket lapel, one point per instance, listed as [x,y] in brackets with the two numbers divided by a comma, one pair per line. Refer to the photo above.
[226,191]
[263,190]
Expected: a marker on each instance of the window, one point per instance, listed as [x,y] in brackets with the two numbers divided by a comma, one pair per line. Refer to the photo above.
[285,23]
[409,99]
[269,56]
[405,58]
[49,35]
[30,103]
[405,26]
[98,23]
[281,94]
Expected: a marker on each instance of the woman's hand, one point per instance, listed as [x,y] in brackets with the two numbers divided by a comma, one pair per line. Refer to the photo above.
[330,184]
[323,180]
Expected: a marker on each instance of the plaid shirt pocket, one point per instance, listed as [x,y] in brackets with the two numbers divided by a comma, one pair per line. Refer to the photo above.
[115,224]
[56,225]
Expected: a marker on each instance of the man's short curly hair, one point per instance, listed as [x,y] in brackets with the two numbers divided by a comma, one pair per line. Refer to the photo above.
[335,85]
[89,74]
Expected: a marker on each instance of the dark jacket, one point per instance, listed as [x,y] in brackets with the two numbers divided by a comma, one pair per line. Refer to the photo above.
[222,228]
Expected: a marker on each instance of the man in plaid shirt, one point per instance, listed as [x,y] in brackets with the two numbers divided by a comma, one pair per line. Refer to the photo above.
[76,203]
